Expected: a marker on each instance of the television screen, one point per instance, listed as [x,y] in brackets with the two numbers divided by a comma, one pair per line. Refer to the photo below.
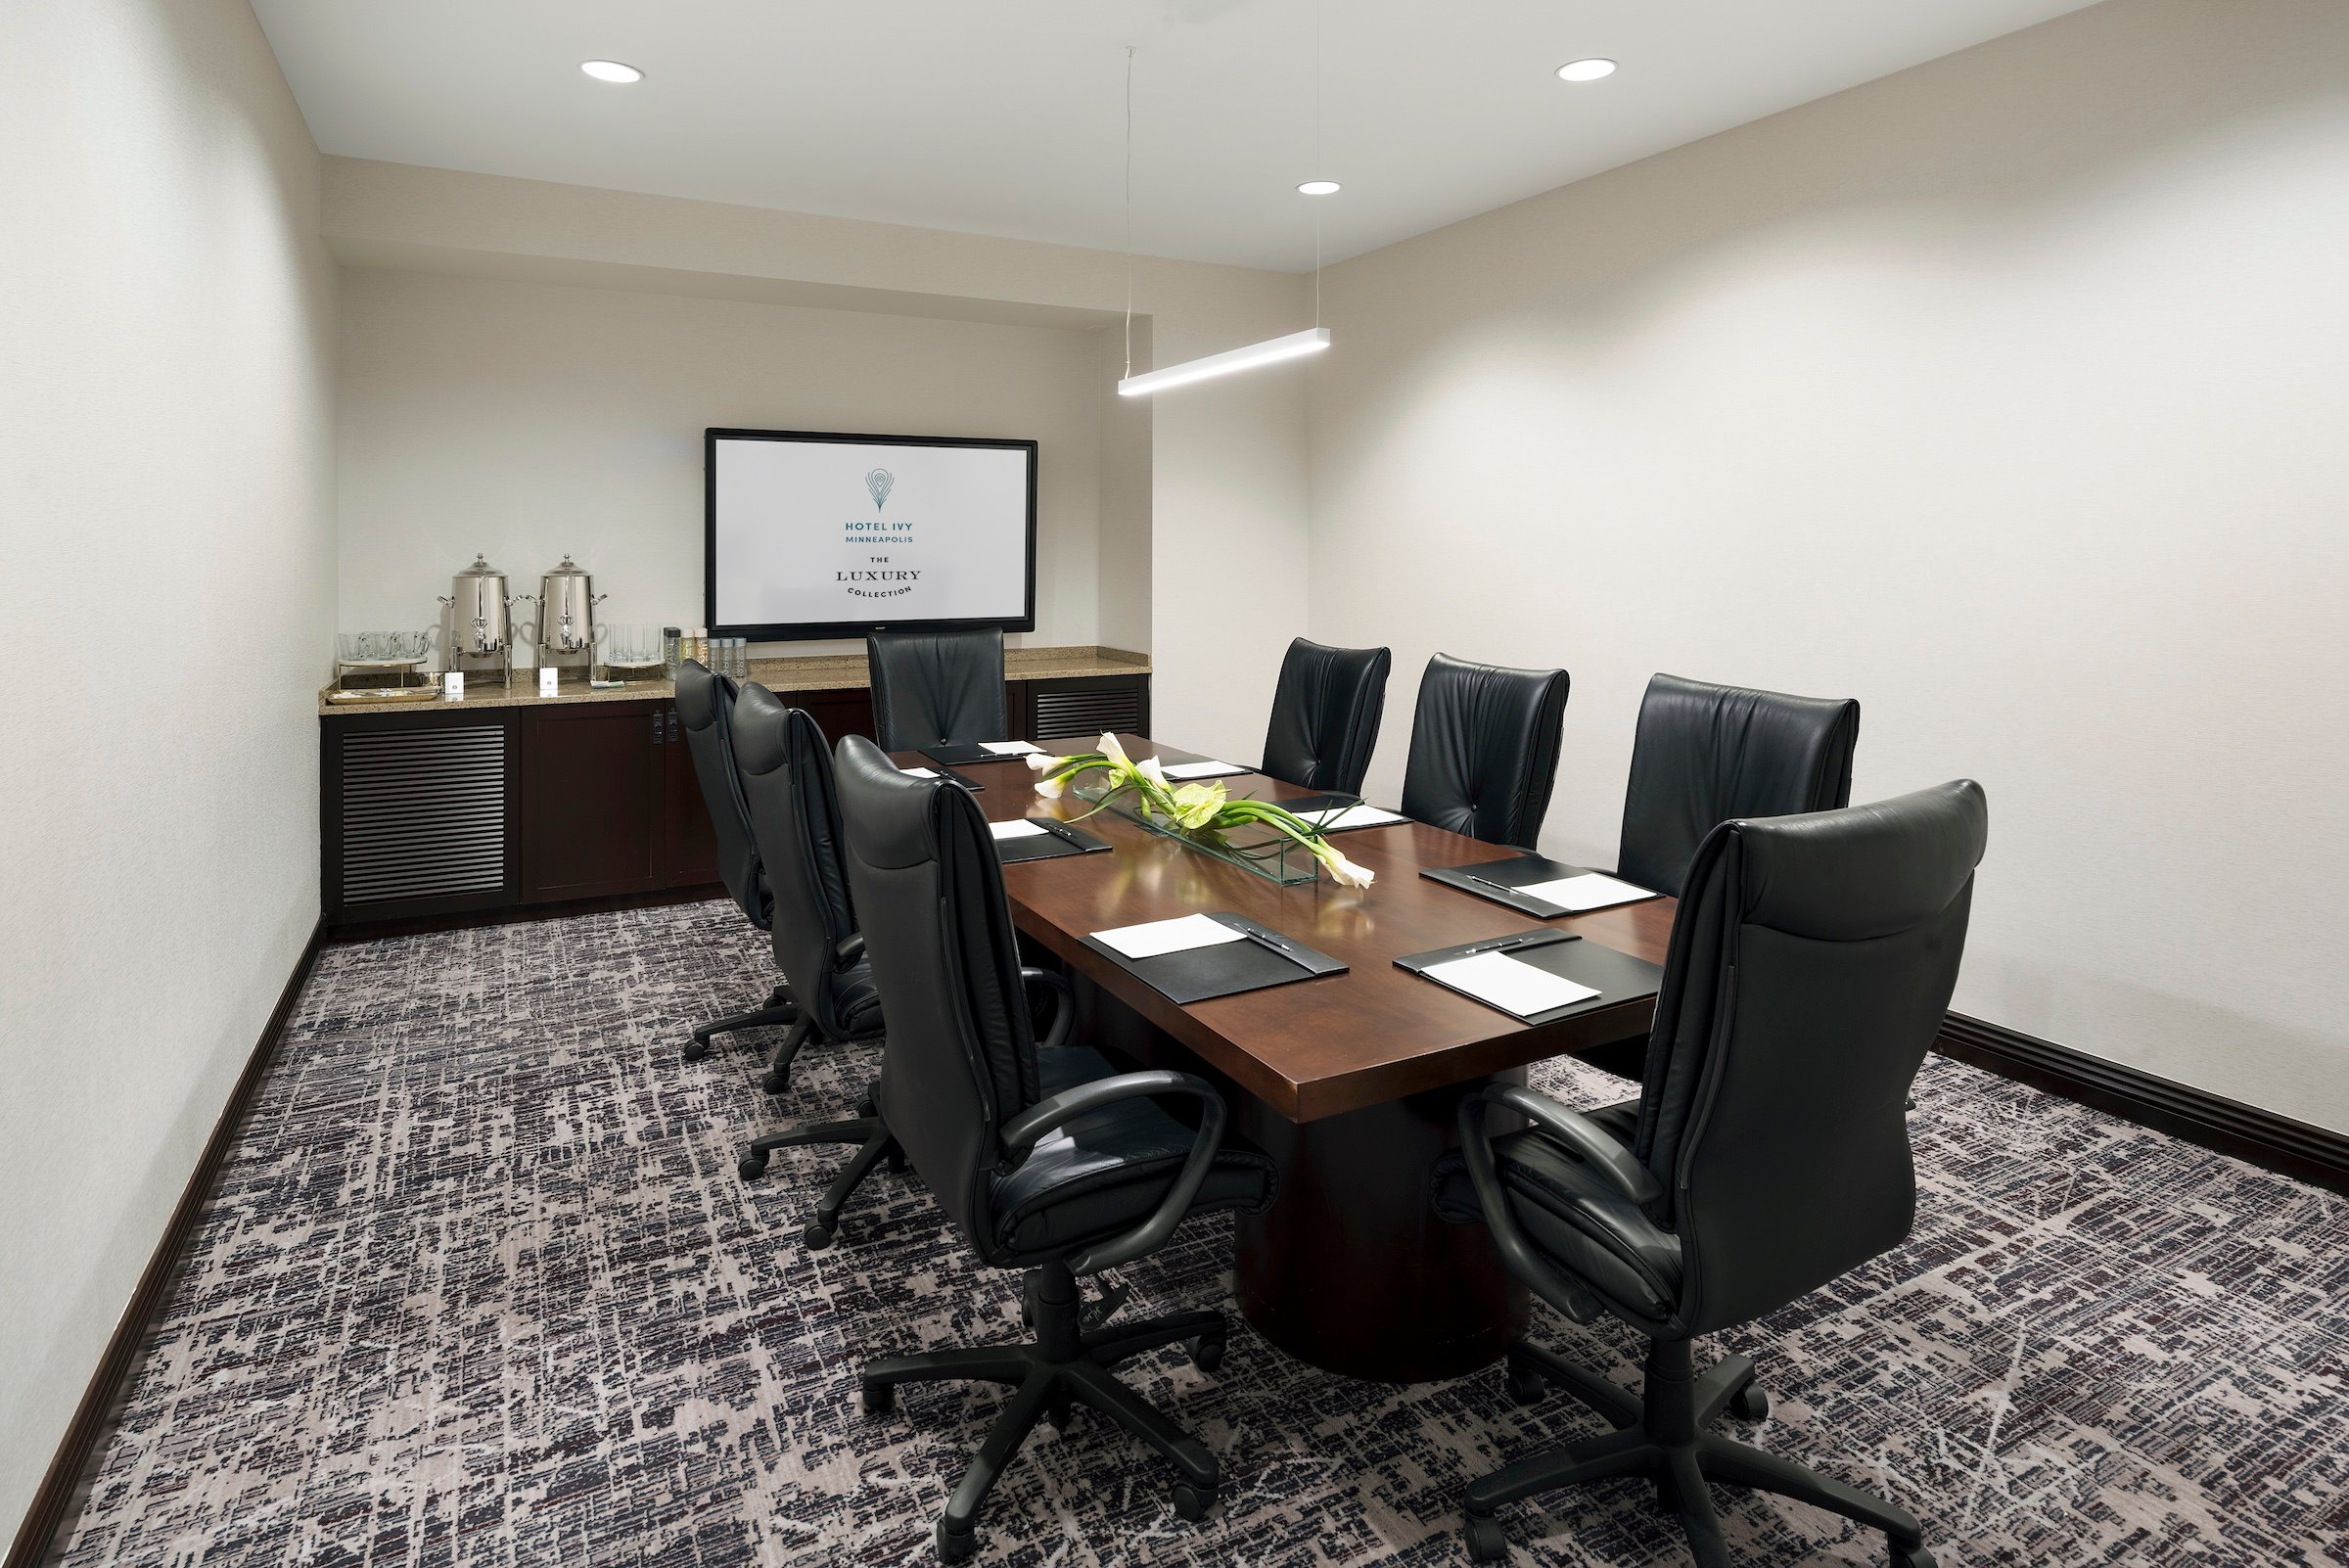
[810,535]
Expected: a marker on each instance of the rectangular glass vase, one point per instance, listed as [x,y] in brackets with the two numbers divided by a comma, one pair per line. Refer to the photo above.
[1257,850]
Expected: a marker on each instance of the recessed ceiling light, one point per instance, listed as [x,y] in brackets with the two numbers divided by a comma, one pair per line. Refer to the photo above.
[611,71]
[1585,69]
[1319,188]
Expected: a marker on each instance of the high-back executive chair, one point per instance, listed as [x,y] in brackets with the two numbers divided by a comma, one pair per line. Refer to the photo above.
[705,706]
[1706,754]
[934,687]
[787,780]
[1485,749]
[1809,968]
[1047,1159]
[1325,715]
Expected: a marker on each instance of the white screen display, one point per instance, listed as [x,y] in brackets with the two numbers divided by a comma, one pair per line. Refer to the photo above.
[834,534]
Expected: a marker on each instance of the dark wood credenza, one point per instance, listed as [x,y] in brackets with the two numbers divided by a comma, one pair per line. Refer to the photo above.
[447,812]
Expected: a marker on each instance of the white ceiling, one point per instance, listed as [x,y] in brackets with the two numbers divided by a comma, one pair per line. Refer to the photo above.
[1005,117]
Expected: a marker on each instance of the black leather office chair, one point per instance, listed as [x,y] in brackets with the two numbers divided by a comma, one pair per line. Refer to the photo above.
[1048,1160]
[787,779]
[1706,754]
[705,707]
[1485,749]
[1811,966]
[1325,715]
[932,687]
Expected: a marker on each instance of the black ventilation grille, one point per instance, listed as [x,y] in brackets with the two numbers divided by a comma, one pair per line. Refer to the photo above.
[1080,713]
[424,814]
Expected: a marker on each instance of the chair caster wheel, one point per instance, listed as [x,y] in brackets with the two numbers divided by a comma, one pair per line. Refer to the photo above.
[866,1109]
[1061,1414]
[1486,1542]
[1190,1502]
[752,1164]
[1525,1386]
[695,1049]
[877,1398]
[1750,1402]
[774,1082]
[1917,1556]
[1205,1351]
[894,1162]
[954,1545]
[816,1236]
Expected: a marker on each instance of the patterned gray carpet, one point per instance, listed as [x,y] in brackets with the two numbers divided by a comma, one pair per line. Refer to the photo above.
[481,1286]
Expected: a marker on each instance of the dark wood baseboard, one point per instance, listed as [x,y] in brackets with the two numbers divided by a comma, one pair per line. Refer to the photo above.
[510,914]
[2265,1138]
[52,1500]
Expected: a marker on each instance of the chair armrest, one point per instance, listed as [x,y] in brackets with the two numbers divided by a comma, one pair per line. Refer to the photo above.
[1593,1143]
[1022,1131]
[1064,1011]
[850,949]
[1518,1255]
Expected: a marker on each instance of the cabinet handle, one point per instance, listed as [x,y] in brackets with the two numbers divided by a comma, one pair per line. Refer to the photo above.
[656,729]
[673,723]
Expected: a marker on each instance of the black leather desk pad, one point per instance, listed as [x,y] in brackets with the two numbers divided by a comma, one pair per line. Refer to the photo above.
[962,753]
[1310,806]
[1058,838]
[1495,878]
[1617,976]
[1227,969]
[963,779]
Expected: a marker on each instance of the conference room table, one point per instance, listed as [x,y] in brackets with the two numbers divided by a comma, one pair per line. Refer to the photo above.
[1351,1082]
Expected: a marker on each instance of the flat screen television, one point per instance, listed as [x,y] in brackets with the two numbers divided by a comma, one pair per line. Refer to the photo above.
[811,533]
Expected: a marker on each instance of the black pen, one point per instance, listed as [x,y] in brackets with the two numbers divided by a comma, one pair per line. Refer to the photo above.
[1279,944]
[1530,938]
[1514,892]
[1058,832]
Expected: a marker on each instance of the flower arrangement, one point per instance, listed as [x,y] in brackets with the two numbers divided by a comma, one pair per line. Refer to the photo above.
[1194,808]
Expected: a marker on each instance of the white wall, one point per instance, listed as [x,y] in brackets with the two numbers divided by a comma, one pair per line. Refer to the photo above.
[2007,395]
[527,419]
[165,504]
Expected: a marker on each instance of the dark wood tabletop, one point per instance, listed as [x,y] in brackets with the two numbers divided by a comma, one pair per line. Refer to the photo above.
[1316,1047]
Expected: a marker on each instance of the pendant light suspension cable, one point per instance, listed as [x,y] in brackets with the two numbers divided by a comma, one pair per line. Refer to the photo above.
[1129,209]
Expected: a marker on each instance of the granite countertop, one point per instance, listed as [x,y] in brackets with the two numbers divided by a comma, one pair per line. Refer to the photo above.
[829,672]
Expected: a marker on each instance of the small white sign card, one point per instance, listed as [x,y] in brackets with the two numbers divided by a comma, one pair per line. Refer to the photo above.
[453,686]
[1509,984]
[1583,893]
[1156,936]
[547,679]
[1017,828]
[1007,748]
[1183,773]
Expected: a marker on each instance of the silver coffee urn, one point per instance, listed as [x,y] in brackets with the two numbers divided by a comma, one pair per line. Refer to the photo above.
[567,601]
[480,631]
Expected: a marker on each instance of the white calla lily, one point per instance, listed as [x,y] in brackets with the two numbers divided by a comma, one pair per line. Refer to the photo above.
[1050,788]
[1113,751]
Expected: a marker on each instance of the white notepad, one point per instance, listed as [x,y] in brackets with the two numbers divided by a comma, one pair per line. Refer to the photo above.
[1018,828]
[920,772]
[1210,768]
[1584,893]
[1359,816]
[1007,748]
[1149,940]
[1509,984]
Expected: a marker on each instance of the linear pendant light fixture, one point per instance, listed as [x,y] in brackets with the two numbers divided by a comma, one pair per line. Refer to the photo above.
[1272,350]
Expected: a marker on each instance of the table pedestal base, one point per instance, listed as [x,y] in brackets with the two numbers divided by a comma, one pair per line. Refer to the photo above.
[1352,1270]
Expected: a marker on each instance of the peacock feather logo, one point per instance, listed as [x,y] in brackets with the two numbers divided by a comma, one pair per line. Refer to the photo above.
[879,481]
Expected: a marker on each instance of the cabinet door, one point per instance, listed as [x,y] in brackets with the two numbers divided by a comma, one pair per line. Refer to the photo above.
[592,798]
[691,858]
[845,712]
